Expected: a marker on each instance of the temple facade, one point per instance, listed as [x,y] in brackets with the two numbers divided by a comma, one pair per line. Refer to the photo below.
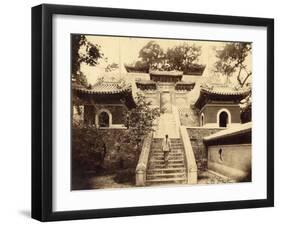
[105,103]
[219,105]
[165,89]
[188,120]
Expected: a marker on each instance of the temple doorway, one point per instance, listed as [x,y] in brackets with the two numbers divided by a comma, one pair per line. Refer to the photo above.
[103,119]
[223,119]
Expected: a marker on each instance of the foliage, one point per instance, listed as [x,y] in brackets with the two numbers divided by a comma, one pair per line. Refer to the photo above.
[138,66]
[151,54]
[125,176]
[83,51]
[87,147]
[246,109]
[182,56]
[139,120]
[231,60]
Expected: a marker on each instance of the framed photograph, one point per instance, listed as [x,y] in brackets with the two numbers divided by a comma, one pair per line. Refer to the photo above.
[146,112]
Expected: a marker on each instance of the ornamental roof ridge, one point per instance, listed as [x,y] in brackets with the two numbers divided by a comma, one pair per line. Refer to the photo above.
[166,73]
[223,89]
[107,87]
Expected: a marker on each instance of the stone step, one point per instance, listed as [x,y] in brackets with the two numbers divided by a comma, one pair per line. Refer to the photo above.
[173,151]
[170,154]
[169,165]
[166,170]
[172,173]
[166,181]
[172,158]
[160,140]
[172,148]
[172,143]
[170,161]
[165,175]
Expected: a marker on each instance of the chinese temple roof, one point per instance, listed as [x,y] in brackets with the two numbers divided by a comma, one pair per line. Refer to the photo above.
[106,87]
[181,85]
[166,76]
[224,90]
[146,84]
[220,92]
[104,92]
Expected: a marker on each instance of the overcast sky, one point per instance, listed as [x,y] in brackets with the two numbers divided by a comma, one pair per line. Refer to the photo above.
[122,50]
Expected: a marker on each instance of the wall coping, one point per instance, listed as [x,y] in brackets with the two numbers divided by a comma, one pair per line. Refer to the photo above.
[199,127]
[230,132]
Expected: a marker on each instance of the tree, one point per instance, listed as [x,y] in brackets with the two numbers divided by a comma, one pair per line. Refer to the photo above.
[232,61]
[182,56]
[87,146]
[140,119]
[151,54]
[83,51]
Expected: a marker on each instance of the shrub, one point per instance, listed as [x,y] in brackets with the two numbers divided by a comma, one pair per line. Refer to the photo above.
[125,176]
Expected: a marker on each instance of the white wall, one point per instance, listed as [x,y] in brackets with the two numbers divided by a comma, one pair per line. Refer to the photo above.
[15,111]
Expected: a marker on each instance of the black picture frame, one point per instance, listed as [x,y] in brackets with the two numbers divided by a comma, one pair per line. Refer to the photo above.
[42,107]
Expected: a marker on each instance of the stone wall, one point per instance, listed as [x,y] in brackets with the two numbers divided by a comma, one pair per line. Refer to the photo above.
[233,161]
[211,111]
[196,135]
[188,116]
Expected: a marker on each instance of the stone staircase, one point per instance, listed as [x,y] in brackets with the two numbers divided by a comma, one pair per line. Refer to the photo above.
[174,172]
[167,125]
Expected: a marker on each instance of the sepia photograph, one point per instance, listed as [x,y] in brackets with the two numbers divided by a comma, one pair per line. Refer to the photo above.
[159,112]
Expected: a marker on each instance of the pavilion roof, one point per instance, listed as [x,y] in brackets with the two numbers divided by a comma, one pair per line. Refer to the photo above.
[106,87]
[219,89]
[220,92]
[183,85]
[145,82]
[107,92]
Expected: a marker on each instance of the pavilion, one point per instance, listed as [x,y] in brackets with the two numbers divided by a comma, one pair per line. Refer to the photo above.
[218,105]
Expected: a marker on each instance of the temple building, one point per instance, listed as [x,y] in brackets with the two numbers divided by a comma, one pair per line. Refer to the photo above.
[219,105]
[105,103]
[197,131]
[165,88]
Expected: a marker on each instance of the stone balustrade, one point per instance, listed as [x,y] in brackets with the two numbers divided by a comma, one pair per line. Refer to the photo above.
[143,161]
[190,161]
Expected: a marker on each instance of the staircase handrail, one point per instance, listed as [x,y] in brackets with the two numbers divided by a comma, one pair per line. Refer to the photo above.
[191,166]
[143,161]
